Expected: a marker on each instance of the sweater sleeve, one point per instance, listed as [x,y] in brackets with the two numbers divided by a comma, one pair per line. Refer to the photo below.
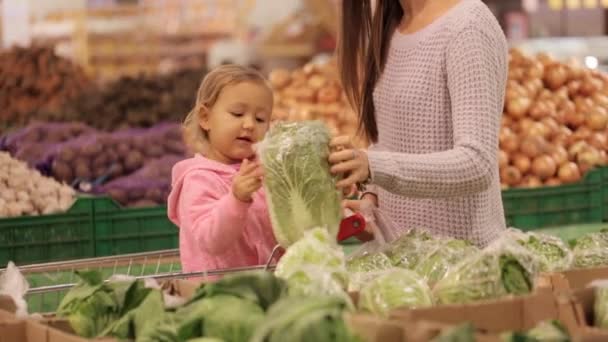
[210,214]
[476,75]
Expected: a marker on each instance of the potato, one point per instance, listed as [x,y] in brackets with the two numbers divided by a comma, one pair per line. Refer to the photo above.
[62,171]
[67,154]
[101,161]
[112,155]
[82,169]
[116,170]
[136,194]
[134,160]
[154,151]
[143,203]
[155,195]
[176,147]
[91,149]
[123,150]
[119,195]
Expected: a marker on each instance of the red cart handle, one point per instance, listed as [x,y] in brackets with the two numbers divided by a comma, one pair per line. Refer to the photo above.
[351,225]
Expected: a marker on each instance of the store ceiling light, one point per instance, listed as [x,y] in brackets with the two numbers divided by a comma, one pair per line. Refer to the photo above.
[591,62]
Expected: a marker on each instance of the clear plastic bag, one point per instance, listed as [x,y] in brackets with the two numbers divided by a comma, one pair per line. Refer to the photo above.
[502,268]
[591,250]
[14,285]
[554,251]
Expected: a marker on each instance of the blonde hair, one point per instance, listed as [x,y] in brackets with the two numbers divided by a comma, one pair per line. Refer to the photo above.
[208,93]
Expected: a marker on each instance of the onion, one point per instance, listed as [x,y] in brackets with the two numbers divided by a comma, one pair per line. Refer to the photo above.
[559,154]
[508,140]
[328,95]
[554,181]
[574,119]
[582,133]
[551,125]
[545,58]
[305,94]
[536,70]
[317,82]
[533,146]
[555,76]
[531,181]
[516,74]
[597,119]
[505,121]
[522,162]
[569,173]
[590,86]
[545,94]
[600,99]
[539,110]
[574,87]
[583,104]
[539,129]
[544,167]
[298,78]
[598,140]
[524,125]
[503,159]
[589,156]
[510,175]
[279,78]
[561,95]
[577,148]
[518,107]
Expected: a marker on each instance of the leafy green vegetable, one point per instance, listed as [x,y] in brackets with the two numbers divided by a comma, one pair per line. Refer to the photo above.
[259,287]
[502,268]
[546,331]
[392,289]
[408,249]
[461,333]
[591,250]
[369,262]
[300,319]
[600,307]
[311,281]
[301,192]
[92,305]
[434,264]
[555,254]
[314,249]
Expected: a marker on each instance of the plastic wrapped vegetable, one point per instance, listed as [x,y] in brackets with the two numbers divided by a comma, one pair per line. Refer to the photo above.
[368,258]
[546,331]
[600,307]
[591,250]
[309,280]
[301,319]
[300,190]
[408,249]
[461,333]
[317,249]
[502,268]
[556,254]
[436,262]
[394,288]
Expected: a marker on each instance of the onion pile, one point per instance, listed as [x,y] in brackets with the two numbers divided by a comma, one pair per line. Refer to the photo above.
[555,122]
[24,191]
[314,92]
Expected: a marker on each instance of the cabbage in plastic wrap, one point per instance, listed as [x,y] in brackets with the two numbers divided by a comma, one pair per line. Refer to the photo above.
[600,307]
[502,268]
[436,262]
[368,258]
[315,249]
[545,331]
[408,249]
[301,192]
[310,280]
[556,254]
[394,288]
[591,250]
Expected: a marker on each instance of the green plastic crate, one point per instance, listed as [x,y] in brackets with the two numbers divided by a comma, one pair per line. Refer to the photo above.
[121,230]
[557,206]
[33,239]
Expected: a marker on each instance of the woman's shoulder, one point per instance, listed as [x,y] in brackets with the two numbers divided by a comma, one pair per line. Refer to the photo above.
[474,15]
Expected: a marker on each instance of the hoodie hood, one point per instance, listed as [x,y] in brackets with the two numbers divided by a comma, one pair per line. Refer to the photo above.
[183,168]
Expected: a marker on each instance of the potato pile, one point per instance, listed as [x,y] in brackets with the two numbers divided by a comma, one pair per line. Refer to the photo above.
[24,191]
[114,155]
[314,92]
[34,79]
[555,122]
[31,143]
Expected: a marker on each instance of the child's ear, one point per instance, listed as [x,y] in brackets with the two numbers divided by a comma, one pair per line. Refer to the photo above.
[203,117]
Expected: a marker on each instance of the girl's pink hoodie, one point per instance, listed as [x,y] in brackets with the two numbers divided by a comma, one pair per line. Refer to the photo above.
[216,229]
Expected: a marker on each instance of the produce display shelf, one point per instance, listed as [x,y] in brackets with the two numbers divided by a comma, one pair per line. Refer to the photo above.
[121,230]
[44,238]
[582,202]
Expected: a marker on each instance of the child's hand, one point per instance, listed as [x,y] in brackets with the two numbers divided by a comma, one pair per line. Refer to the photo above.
[248,180]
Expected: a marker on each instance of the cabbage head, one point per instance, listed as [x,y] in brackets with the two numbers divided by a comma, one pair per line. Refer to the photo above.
[502,268]
[591,250]
[308,281]
[435,263]
[392,289]
[554,252]
[368,259]
[409,248]
[300,191]
[316,249]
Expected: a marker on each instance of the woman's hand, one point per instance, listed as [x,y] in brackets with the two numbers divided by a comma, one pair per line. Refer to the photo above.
[349,161]
[247,181]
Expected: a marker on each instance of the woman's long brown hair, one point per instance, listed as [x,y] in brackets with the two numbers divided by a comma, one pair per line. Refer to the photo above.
[365,37]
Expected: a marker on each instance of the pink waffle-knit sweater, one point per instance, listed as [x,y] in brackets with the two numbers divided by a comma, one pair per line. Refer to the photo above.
[438,107]
[216,230]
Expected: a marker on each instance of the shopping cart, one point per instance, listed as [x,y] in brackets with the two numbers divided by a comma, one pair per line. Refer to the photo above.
[49,282]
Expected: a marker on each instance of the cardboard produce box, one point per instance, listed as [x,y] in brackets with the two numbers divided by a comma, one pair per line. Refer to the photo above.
[574,279]
[519,313]
[576,311]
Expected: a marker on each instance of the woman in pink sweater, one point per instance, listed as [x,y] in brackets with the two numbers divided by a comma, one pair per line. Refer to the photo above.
[217,200]
[433,75]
